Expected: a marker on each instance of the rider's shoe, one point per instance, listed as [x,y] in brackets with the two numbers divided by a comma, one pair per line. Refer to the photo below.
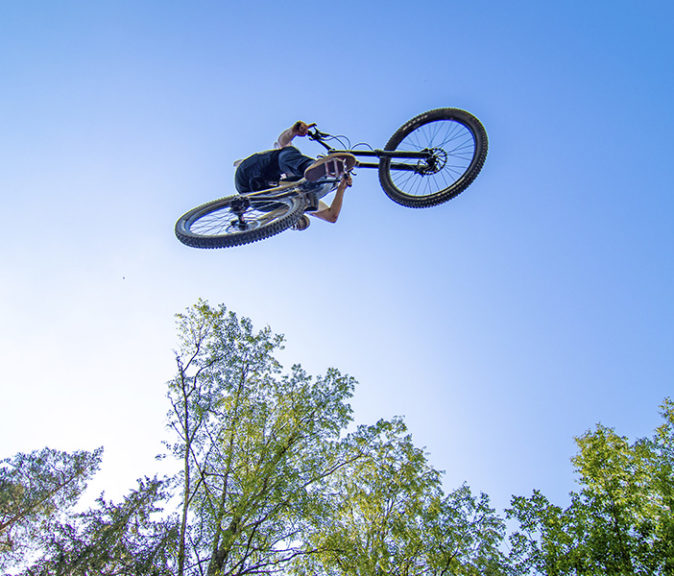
[302,223]
[333,166]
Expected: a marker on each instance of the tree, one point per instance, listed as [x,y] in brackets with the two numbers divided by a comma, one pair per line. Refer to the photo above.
[620,522]
[257,446]
[131,537]
[392,518]
[36,490]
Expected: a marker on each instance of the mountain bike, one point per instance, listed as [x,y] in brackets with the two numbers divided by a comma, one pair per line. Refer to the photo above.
[429,160]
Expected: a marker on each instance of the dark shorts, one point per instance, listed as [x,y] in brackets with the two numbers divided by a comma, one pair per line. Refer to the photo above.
[264,169]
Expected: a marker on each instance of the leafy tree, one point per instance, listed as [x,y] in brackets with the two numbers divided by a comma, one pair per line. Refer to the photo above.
[130,537]
[465,536]
[620,522]
[36,490]
[391,517]
[256,445]
[269,482]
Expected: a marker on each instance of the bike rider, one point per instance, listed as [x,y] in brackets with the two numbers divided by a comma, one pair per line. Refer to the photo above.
[264,169]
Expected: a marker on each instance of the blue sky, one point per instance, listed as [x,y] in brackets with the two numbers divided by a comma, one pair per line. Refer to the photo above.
[500,325]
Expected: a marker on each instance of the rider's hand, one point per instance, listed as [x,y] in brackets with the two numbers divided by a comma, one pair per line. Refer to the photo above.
[347,179]
[302,128]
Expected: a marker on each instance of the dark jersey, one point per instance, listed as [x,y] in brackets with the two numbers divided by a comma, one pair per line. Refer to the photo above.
[257,171]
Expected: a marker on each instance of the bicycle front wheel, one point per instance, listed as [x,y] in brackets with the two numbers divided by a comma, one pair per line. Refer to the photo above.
[455,146]
[237,220]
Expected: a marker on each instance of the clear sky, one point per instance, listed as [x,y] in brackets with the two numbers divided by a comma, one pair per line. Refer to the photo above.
[500,325]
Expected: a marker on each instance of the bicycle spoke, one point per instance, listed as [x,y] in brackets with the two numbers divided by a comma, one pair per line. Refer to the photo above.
[458,146]
[225,221]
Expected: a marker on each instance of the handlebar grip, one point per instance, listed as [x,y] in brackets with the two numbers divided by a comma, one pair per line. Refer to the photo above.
[317,134]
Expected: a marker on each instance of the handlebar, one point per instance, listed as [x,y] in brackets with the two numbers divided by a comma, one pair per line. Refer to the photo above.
[319,137]
[316,134]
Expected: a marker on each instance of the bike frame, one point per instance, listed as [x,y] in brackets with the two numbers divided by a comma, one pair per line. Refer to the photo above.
[379,154]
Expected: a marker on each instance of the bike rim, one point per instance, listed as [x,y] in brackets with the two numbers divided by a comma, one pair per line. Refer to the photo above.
[452,146]
[224,222]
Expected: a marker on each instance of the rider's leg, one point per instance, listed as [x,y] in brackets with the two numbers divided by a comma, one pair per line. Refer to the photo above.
[292,162]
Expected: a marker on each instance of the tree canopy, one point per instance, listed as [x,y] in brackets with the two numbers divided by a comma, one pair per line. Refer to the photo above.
[274,477]
[36,490]
[619,522]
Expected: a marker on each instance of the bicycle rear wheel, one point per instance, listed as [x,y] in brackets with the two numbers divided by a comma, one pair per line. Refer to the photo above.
[237,220]
[456,146]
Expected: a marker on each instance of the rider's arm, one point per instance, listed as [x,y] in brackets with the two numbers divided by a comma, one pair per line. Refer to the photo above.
[299,128]
[331,213]
[284,139]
